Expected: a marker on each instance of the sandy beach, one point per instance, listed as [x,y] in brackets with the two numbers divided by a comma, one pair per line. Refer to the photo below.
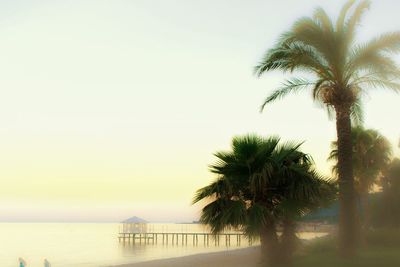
[248,257]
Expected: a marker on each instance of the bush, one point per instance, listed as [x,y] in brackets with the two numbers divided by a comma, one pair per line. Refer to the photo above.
[321,245]
[387,237]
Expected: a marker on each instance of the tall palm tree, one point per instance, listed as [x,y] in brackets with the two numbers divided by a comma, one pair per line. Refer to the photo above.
[260,185]
[371,154]
[342,71]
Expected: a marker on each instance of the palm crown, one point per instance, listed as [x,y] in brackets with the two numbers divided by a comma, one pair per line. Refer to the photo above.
[257,183]
[262,184]
[343,70]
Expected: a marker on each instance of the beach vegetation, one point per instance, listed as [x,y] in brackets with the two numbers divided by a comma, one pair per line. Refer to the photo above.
[386,210]
[382,250]
[337,72]
[372,154]
[262,186]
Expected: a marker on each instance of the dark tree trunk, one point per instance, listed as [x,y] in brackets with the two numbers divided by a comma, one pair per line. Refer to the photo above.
[387,213]
[289,241]
[269,246]
[348,232]
[366,218]
[366,210]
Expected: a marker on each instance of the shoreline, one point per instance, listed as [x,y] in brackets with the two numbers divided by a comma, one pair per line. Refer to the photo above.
[248,257]
[239,257]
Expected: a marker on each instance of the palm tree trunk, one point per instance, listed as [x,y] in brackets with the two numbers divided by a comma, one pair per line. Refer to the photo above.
[387,212]
[366,209]
[289,241]
[366,217]
[348,233]
[269,246]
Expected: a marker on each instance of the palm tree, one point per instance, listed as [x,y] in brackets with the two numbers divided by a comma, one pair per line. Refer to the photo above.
[371,154]
[260,185]
[342,72]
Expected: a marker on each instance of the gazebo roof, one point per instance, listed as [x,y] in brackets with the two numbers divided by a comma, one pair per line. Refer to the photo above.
[135,219]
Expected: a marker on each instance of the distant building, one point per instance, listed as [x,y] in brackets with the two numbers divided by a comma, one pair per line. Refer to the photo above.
[331,214]
[134,225]
[324,215]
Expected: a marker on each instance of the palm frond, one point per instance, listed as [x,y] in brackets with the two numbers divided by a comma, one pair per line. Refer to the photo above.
[379,83]
[357,113]
[290,86]
[310,33]
[372,56]
[323,19]
[388,42]
[340,23]
[224,213]
[355,18]
[218,188]
[291,56]
[257,217]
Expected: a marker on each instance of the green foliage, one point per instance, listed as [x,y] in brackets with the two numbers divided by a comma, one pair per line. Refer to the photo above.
[373,257]
[371,155]
[385,237]
[321,245]
[382,250]
[259,182]
[386,209]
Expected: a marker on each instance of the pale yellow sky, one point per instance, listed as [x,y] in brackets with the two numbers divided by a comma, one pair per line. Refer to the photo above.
[110,109]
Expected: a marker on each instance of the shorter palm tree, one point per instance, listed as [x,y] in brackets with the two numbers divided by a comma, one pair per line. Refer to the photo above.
[261,185]
[371,154]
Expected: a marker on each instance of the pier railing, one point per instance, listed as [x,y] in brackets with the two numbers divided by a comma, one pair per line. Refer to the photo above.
[184,238]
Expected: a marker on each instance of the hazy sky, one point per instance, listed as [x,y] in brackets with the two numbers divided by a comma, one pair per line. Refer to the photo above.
[110,109]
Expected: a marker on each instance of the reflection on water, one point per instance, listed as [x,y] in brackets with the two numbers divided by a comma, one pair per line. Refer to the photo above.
[90,245]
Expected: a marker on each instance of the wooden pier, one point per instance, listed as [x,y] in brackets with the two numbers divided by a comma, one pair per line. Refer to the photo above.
[184,238]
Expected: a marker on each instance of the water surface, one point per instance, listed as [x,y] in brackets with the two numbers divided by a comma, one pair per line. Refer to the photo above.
[93,245]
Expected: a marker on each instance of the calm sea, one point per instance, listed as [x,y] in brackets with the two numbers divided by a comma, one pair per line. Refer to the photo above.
[92,245]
